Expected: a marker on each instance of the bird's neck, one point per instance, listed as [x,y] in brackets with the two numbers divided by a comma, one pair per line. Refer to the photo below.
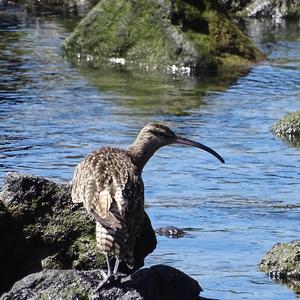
[140,153]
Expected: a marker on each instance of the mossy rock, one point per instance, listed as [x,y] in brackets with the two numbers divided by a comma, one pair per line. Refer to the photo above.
[282,263]
[60,7]
[158,282]
[41,228]
[272,9]
[288,128]
[171,36]
[52,231]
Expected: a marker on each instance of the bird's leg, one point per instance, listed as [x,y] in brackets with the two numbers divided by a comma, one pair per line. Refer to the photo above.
[109,272]
[115,271]
[106,276]
[118,277]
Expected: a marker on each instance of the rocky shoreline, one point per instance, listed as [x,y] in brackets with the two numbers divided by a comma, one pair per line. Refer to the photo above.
[157,282]
[282,263]
[165,36]
[288,128]
[48,250]
[48,231]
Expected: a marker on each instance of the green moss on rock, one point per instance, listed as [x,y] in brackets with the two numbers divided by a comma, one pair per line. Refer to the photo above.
[51,231]
[160,35]
[282,262]
[41,228]
[271,9]
[288,128]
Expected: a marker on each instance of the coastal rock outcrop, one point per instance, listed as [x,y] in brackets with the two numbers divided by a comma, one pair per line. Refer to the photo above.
[275,10]
[170,232]
[171,36]
[282,263]
[41,228]
[288,128]
[157,282]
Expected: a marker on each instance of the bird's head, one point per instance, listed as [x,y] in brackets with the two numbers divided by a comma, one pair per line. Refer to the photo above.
[155,135]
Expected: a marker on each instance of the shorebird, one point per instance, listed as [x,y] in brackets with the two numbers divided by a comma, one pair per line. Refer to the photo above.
[109,183]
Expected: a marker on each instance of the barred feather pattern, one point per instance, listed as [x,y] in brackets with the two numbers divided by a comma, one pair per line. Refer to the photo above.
[112,191]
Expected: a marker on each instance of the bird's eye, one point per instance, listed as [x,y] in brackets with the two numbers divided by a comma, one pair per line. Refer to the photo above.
[160,134]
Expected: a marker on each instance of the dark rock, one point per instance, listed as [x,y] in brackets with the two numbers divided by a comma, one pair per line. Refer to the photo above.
[282,263]
[235,5]
[54,232]
[41,228]
[57,7]
[275,10]
[171,36]
[170,231]
[288,128]
[155,283]
[14,251]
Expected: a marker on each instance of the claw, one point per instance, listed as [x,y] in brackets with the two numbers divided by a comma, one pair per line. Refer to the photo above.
[108,277]
[106,280]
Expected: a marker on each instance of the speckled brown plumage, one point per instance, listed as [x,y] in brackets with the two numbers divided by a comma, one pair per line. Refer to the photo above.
[108,181]
[112,191]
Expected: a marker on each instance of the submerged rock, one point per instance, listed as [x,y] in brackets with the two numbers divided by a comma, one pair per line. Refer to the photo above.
[273,9]
[60,7]
[53,232]
[171,36]
[288,128]
[276,10]
[48,231]
[157,282]
[170,231]
[282,263]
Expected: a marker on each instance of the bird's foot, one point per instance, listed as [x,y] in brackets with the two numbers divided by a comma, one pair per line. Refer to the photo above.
[107,279]
[125,279]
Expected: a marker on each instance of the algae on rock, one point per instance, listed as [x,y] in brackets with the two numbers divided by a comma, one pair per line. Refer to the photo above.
[273,9]
[157,282]
[51,230]
[282,263]
[288,128]
[170,35]
[42,229]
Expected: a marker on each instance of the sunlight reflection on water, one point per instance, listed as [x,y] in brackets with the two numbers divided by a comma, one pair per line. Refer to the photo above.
[51,115]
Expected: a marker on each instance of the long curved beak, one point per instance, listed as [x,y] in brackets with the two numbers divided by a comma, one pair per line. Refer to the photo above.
[180,140]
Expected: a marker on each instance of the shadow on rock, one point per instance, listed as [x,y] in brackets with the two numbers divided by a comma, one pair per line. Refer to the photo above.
[158,282]
[41,228]
[282,263]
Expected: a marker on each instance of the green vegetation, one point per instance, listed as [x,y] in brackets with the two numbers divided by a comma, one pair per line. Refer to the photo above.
[283,262]
[288,128]
[58,233]
[173,35]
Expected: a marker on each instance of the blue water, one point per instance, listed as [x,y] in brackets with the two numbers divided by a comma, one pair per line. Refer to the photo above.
[52,114]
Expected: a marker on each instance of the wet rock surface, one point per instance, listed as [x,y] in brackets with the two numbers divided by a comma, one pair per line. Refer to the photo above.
[57,7]
[288,128]
[41,228]
[275,10]
[282,263]
[170,36]
[170,232]
[157,282]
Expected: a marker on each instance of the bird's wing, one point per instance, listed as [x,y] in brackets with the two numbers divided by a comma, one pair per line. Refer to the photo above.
[75,192]
[101,204]
[101,209]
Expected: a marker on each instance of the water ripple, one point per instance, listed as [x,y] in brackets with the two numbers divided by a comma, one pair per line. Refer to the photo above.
[52,114]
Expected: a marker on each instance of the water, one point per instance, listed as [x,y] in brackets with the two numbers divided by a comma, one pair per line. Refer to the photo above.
[52,114]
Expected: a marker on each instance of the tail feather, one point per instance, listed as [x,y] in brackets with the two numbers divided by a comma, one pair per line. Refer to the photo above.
[114,242]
